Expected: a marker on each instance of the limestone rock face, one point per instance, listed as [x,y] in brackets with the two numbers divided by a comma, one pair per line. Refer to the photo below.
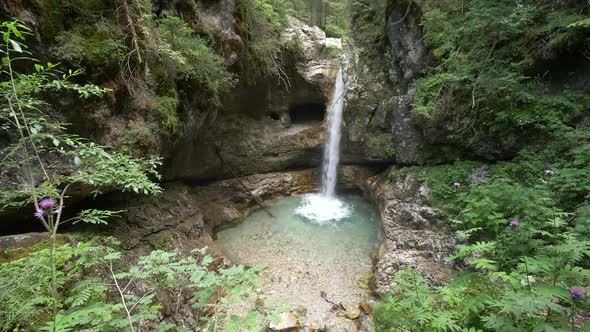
[19,245]
[169,220]
[367,116]
[413,232]
[315,65]
[248,145]
[407,57]
[266,127]
[382,90]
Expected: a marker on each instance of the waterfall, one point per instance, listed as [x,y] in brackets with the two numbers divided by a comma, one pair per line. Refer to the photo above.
[326,207]
[332,147]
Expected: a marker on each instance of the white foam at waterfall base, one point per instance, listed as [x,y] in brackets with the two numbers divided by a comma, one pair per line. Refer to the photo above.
[323,210]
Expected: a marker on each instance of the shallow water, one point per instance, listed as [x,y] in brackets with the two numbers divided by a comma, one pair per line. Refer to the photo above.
[305,258]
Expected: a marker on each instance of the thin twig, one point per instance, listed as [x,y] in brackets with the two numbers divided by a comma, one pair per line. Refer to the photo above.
[122,296]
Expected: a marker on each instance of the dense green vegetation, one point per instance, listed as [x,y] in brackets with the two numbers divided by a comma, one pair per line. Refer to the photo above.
[330,15]
[368,24]
[491,61]
[97,295]
[523,224]
[523,227]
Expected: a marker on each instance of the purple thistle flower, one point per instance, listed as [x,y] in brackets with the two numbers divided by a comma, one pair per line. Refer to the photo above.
[456,185]
[39,213]
[47,203]
[549,172]
[414,266]
[577,293]
[513,223]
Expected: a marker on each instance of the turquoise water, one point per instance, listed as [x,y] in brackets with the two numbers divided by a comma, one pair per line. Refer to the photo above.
[355,234]
[304,257]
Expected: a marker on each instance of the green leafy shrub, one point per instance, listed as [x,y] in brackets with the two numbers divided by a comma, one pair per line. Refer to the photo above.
[188,57]
[487,53]
[168,107]
[522,228]
[333,51]
[379,146]
[100,46]
[98,296]
[335,31]
[368,20]
[260,23]
[51,160]
[536,297]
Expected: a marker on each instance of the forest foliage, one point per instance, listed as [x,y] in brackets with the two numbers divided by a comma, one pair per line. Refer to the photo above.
[523,249]
[522,225]
[498,74]
[97,294]
[83,287]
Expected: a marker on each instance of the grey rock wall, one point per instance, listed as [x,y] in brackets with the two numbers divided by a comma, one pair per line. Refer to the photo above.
[413,233]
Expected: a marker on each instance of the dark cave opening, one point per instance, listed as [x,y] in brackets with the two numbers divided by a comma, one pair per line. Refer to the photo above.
[307,113]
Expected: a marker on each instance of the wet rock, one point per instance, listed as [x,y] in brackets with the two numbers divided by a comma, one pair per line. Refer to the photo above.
[353,313]
[226,201]
[367,119]
[288,322]
[353,177]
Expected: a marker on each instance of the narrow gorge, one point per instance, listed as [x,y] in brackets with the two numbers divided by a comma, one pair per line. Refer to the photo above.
[296,165]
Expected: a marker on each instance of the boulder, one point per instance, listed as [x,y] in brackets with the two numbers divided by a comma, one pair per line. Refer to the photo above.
[287,322]
[334,42]
[353,313]
[366,308]
[315,66]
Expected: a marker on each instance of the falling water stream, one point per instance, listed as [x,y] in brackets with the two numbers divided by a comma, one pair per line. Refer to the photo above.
[332,148]
[326,207]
